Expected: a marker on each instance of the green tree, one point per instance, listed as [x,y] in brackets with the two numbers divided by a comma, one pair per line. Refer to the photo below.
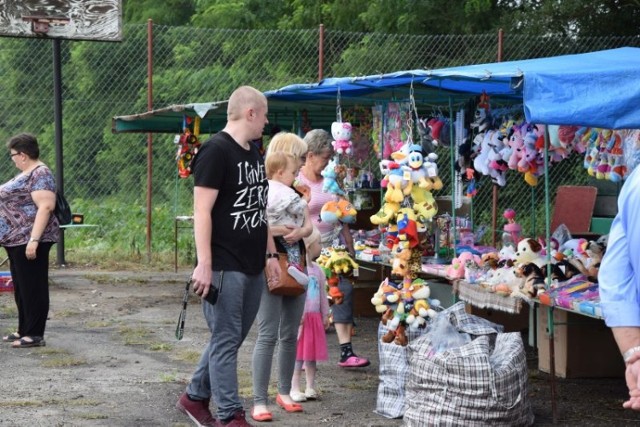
[165,12]
[571,17]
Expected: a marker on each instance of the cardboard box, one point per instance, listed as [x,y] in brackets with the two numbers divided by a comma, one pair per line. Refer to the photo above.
[512,322]
[584,347]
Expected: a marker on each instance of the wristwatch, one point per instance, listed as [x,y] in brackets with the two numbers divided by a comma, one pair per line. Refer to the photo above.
[32,239]
[275,255]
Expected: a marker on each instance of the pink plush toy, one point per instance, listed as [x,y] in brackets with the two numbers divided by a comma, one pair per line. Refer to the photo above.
[341,132]
[458,265]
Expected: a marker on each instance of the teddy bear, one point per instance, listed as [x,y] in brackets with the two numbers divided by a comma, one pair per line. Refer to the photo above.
[341,132]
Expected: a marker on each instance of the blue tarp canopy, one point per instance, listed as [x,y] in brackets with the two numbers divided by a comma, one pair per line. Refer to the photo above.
[598,89]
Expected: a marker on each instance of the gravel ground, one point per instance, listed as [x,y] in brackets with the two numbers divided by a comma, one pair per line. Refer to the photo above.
[112,360]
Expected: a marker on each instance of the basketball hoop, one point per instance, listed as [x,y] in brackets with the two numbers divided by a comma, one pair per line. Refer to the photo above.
[40,24]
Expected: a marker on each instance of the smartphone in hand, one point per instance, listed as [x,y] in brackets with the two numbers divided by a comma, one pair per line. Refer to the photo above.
[214,289]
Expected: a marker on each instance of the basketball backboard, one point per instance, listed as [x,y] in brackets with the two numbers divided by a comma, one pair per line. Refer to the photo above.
[64,19]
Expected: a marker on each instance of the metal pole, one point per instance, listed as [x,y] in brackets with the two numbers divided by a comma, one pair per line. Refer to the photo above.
[149,135]
[57,121]
[321,53]
[494,203]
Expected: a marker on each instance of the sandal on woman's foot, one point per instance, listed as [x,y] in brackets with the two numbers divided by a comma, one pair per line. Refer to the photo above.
[11,337]
[26,342]
[262,416]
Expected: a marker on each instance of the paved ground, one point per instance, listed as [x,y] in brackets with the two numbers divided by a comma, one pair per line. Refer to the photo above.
[112,360]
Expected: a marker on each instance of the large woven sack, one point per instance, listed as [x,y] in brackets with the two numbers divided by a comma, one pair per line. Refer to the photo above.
[394,369]
[483,382]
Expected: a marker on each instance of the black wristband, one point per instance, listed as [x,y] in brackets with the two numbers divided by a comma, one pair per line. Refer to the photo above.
[273,255]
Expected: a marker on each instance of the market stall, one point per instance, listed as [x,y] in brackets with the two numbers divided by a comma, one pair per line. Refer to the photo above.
[597,89]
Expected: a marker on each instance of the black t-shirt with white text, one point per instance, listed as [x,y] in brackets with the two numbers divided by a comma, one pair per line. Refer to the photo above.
[239,240]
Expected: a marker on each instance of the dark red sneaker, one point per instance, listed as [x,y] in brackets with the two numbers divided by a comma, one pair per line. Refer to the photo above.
[239,420]
[197,410]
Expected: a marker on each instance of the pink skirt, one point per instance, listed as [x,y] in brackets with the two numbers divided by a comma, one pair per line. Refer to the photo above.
[312,341]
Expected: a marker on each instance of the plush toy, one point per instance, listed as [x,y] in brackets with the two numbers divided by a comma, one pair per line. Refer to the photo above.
[426,138]
[338,210]
[330,183]
[341,132]
[424,204]
[387,295]
[408,229]
[334,291]
[395,177]
[459,264]
[529,250]
[507,256]
[400,262]
[340,262]
[387,211]
[534,278]
[188,145]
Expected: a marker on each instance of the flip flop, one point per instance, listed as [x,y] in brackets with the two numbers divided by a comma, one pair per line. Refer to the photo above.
[11,337]
[265,416]
[289,407]
[26,342]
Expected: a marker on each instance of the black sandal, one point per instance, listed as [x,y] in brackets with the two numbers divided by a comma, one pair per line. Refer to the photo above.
[11,337]
[26,342]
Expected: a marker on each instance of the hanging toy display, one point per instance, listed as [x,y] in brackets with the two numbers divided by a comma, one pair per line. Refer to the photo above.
[410,175]
[188,144]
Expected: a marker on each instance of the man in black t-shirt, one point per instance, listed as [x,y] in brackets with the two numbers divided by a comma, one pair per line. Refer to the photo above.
[232,238]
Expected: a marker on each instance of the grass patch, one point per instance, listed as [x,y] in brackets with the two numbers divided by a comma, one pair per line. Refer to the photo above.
[8,311]
[245,384]
[99,324]
[160,347]
[20,403]
[52,351]
[169,377]
[135,336]
[66,313]
[48,402]
[93,416]
[191,356]
[63,362]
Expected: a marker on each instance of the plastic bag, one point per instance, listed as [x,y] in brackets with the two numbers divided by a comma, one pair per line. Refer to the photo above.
[445,336]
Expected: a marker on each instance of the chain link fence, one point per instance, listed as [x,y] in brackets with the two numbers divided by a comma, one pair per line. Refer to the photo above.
[105,174]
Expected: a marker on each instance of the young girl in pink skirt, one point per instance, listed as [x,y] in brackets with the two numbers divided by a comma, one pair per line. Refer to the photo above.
[312,340]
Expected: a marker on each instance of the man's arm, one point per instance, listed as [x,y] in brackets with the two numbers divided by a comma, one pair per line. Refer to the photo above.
[204,199]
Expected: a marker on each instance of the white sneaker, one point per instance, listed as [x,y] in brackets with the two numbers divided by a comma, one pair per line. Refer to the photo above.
[311,394]
[296,396]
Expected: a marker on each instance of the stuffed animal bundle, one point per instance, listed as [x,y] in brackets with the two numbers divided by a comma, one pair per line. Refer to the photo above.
[404,305]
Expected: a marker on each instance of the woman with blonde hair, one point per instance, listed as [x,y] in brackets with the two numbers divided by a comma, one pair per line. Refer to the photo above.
[279,316]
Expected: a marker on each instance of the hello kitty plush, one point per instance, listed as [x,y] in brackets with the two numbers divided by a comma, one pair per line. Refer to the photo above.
[341,132]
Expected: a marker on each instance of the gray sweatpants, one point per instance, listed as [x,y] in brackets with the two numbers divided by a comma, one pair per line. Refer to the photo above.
[229,321]
[278,322]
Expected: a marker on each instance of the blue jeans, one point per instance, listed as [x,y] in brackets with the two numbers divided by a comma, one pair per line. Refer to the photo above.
[229,321]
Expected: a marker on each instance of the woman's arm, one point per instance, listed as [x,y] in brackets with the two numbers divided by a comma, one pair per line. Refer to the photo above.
[45,201]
